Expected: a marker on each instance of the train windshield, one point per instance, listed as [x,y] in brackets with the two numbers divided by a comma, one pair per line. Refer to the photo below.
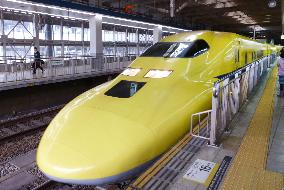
[177,49]
[125,89]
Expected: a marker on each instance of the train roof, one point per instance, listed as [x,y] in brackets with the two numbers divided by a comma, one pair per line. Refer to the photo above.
[202,34]
[189,36]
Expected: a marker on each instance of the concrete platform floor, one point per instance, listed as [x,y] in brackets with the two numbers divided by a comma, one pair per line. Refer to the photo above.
[275,160]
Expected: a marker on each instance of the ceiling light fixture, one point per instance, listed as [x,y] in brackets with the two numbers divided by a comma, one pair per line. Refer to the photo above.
[272,3]
[241,17]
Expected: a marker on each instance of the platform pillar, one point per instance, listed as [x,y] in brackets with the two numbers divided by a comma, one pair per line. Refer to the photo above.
[137,42]
[83,38]
[96,43]
[115,41]
[127,41]
[36,31]
[3,37]
[157,34]
[61,38]
[48,36]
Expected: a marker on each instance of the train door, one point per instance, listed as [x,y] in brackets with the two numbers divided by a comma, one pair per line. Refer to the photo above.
[237,54]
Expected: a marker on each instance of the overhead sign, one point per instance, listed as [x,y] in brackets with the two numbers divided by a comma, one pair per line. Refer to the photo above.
[200,170]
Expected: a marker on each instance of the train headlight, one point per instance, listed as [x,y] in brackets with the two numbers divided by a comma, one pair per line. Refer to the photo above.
[131,72]
[158,74]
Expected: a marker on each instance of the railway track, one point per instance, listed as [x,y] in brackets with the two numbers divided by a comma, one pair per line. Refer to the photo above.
[19,138]
[27,123]
[52,185]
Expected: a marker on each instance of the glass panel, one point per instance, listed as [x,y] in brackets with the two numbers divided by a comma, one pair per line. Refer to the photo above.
[197,48]
[132,50]
[28,32]
[8,26]
[158,49]
[23,30]
[108,36]
[132,37]
[56,32]
[120,51]
[142,38]
[18,51]
[42,51]
[86,34]
[70,50]
[42,34]
[86,50]
[79,50]
[150,38]
[65,33]
[72,34]
[78,34]
[177,49]
[57,51]
[125,89]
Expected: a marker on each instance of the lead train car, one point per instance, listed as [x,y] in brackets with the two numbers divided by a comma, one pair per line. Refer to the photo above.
[112,132]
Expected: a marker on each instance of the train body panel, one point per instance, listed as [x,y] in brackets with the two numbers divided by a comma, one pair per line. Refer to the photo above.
[107,131]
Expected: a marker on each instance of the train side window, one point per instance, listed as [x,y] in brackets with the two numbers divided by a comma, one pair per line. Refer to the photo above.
[246,57]
[125,89]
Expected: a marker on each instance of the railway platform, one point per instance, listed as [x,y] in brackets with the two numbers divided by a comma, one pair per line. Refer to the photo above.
[18,73]
[249,154]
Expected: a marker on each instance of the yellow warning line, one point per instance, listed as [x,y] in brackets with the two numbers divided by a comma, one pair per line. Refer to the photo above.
[146,176]
[248,168]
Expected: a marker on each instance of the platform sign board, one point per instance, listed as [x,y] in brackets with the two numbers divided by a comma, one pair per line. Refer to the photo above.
[199,171]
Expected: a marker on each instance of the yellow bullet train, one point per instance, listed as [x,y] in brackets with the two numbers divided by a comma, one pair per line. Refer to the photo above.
[113,131]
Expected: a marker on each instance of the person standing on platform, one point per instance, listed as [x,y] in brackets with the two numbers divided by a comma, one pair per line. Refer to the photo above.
[37,61]
[281,72]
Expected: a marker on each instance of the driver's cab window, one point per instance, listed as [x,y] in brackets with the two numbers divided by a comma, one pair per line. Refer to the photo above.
[197,48]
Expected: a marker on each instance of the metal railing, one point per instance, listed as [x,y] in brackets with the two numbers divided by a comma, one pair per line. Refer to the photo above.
[229,94]
[21,69]
[200,123]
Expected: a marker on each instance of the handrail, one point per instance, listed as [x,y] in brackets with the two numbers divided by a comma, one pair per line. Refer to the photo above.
[22,69]
[11,60]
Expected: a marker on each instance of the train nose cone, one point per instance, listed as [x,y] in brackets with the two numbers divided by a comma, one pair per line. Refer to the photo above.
[63,162]
[90,144]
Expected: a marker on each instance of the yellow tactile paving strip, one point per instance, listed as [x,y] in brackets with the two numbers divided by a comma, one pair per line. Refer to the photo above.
[146,176]
[248,168]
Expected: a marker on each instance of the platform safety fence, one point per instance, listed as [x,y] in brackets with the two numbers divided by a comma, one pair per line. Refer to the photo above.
[14,69]
[229,94]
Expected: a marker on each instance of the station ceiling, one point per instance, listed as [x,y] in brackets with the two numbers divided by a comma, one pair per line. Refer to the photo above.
[239,16]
